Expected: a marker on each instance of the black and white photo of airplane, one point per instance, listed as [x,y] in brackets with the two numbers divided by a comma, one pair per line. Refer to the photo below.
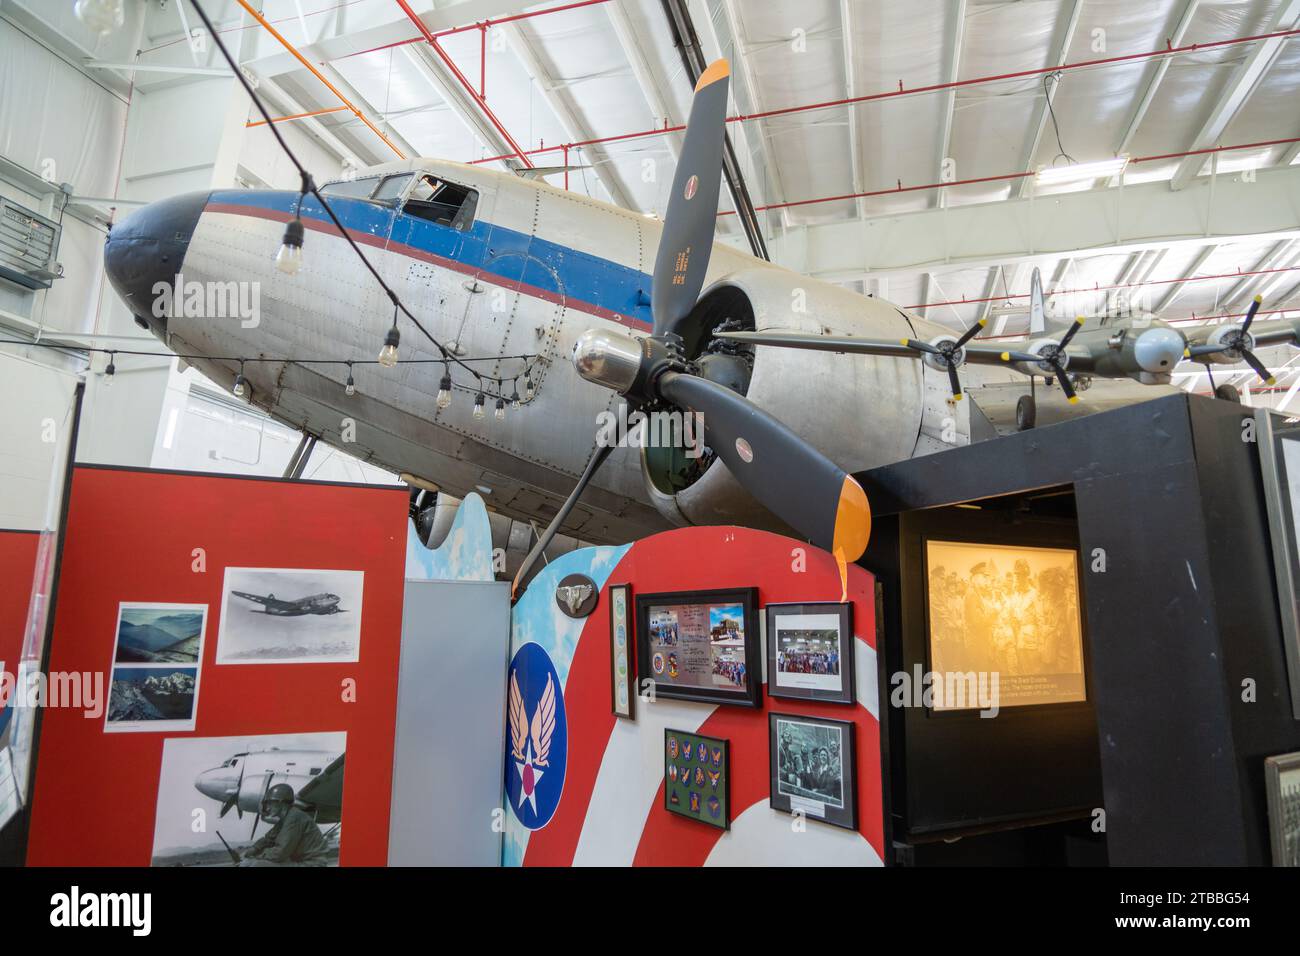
[312,604]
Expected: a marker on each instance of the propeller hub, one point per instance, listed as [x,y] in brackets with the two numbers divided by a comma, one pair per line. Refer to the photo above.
[608,358]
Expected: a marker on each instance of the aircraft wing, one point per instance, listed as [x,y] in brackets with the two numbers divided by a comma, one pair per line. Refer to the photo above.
[324,792]
[1272,332]
[266,602]
[980,353]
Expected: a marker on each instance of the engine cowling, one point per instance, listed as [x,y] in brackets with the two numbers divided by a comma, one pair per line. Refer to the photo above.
[860,411]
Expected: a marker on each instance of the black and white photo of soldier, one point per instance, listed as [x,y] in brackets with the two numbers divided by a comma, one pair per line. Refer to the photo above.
[1010,610]
[809,763]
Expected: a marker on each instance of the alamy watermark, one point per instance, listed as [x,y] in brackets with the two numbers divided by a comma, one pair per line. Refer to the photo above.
[209,300]
[657,429]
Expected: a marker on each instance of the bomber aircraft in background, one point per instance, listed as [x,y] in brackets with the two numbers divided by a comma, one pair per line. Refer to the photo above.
[313,604]
[612,307]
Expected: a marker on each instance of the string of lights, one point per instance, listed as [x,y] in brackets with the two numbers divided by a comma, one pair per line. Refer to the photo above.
[289,259]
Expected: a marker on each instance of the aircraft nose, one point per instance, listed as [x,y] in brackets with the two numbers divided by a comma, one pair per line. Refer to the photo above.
[212,783]
[1158,350]
[149,247]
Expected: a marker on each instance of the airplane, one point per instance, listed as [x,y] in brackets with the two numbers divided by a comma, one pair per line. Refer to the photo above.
[242,780]
[314,604]
[614,312]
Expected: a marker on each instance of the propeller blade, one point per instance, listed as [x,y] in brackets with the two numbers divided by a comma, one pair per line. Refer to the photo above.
[955,382]
[1258,366]
[793,480]
[1020,357]
[1250,313]
[687,239]
[598,456]
[227,804]
[920,346]
[971,332]
[1198,350]
[1071,332]
[1066,385]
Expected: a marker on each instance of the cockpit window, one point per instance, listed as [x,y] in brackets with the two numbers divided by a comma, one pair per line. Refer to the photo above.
[352,188]
[391,188]
[442,202]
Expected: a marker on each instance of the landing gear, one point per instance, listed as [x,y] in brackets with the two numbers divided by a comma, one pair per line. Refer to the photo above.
[1026,413]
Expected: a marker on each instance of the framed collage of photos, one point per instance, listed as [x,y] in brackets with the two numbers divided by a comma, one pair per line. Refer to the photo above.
[810,652]
[813,768]
[622,667]
[701,645]
[157,659]
[697,777]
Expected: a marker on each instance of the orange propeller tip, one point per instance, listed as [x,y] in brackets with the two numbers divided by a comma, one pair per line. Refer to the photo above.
[903,341]
[1006,356]
[1074,399]
[717,70]
[1259,298]
[852,521]
[1187,353]
[1079,319]
[983,322]
[1270,380]
[957,397]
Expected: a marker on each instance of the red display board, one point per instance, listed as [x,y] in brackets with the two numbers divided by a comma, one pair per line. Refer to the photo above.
[167,538]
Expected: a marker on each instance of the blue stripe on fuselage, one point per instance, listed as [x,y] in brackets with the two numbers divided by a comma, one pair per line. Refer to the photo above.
[495,250]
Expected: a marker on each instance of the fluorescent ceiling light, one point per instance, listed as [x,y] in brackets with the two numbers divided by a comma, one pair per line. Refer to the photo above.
[1076,172]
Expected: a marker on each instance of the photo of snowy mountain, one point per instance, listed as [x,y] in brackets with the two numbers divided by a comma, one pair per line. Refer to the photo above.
[159,634]
[156,663]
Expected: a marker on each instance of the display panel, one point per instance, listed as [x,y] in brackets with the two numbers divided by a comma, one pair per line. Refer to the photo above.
[1282,782]
[700,645]
[622,673]
[697,772]
[1279,459]
[1003,620]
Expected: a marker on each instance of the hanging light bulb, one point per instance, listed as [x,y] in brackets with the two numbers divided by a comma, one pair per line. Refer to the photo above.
[241,383]
[528,388]
[478,406]
[351,387]
[289,259]
[388,354]
[514,401]
[101,16]
[110,370]
[500,413]
[444,390]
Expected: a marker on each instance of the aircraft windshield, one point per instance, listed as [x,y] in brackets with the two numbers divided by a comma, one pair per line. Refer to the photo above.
[353,188]
[441,202]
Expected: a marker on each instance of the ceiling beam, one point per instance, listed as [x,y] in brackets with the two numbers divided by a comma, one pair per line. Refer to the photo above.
[1245,287]
[645,77]
[1158,71]
[688,45]
[575,130]
[851,89]
[1091,221]
[454,95]
[1045,108]
[1176,288]
[1243,82]
[956,40]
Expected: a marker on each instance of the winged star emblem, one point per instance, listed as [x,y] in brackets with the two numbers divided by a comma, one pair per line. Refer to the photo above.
[574,595]
[530,742]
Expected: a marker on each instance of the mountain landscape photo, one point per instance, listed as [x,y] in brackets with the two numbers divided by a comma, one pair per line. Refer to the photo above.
[161,635]
[140,694]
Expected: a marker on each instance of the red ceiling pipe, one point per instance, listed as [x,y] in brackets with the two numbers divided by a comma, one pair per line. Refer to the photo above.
[466,84]
[482,25]
[933,88]
[1110,288]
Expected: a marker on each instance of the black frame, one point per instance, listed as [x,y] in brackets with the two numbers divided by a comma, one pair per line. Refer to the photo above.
[751,694]
[1272,430]
[846,816]
[725,823]
[629,615]
[847,690]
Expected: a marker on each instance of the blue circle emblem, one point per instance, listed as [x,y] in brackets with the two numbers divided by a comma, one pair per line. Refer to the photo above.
[537,737]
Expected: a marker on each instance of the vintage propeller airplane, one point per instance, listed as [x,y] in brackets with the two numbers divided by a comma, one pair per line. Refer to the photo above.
[312,604]
[241,782]
[529,276]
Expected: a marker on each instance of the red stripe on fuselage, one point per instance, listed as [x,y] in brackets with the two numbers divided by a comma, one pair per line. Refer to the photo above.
[411,252]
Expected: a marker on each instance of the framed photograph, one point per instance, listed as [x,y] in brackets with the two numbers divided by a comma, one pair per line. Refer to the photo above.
[290,616]
[157,658]
[700,645]
[1004,610]
[1279,459]
[1282,781]
[813,768]
[810,652]
[622,669]
[697,777]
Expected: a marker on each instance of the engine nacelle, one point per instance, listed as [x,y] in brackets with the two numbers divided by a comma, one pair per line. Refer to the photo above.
[1229,356]
[819,395]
